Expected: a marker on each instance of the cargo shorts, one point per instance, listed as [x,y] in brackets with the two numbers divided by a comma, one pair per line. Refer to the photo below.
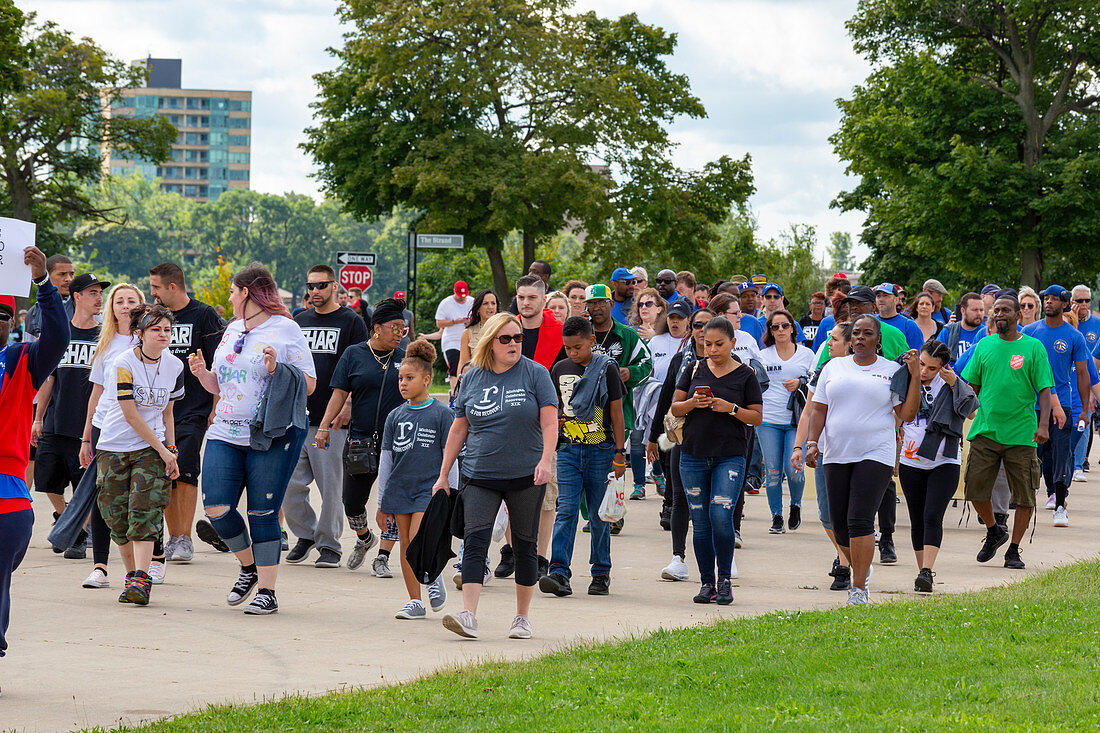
[134,488]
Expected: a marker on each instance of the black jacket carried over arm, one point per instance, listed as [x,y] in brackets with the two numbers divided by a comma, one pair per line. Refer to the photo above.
[429,552]
[950,409]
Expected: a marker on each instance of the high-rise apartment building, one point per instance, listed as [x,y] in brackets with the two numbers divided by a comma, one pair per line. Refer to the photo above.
[212,150]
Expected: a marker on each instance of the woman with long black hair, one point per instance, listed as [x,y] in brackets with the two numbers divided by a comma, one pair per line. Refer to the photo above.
[854,414]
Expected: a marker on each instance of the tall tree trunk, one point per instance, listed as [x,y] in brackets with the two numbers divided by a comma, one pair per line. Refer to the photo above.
[1032,266]
[528,251]
[500,277]
[20,194]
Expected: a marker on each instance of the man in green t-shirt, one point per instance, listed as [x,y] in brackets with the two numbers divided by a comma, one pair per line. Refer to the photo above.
[861,300]
[1007,369]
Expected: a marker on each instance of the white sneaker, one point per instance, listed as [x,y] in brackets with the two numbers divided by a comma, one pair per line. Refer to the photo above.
[437,594]
[170,547]
[184,551]
[98,579]
[1079,475]
[1061,517]
[380,567]
[858,597]
[521,628]
[156,572]
[411,611]
[1051,501]
[870,572]
[676,570]
[463,623]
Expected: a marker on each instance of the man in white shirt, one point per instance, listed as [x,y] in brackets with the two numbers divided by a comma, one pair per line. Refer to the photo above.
[453,315]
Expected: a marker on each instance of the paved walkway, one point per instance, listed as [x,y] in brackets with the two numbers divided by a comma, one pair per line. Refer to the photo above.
[78,658]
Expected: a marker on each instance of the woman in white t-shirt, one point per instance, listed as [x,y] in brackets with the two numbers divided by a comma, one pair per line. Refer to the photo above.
[929,484]
[136,455]
[114,338]
[649,318]
[787,364]
[262,337]
[854,415]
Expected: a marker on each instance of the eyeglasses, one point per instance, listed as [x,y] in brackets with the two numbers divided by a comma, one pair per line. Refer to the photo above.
[507,339]
[817,302]
[699,324]
[648,304]
[666,280]
[319,286]
[1027,306]
[1082,300]
[395,329]
[780,326]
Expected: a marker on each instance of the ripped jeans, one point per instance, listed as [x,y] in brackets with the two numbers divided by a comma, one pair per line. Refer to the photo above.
[712,487]
[229,470]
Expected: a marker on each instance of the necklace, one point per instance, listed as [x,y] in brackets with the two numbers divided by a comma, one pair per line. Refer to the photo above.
[605,337]
[384,363]
[145,367]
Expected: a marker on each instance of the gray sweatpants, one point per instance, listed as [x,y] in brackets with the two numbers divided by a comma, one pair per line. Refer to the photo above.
[326,467]
[1001,495]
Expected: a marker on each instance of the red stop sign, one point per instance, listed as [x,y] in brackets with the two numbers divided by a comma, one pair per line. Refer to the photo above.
[356,276]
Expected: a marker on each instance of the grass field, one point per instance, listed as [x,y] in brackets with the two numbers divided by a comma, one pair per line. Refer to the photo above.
[1021,657]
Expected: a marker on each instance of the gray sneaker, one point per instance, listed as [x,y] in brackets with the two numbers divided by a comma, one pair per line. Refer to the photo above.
[327,559]
[170,548]
[521,628]
[184,550]
[463,623]
[359,552]
[411,611]
[437,594]
[380,568]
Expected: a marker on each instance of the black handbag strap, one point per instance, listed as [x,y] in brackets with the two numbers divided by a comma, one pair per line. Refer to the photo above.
[378,407]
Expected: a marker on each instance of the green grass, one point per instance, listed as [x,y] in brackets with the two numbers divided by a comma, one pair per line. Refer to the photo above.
[1020,657]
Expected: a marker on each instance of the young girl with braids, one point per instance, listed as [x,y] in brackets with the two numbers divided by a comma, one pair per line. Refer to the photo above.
[412,452]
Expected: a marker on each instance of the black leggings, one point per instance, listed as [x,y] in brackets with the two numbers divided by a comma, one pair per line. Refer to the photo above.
[680,512]
[356,494]
[481,506]
[855,493]
[927,494]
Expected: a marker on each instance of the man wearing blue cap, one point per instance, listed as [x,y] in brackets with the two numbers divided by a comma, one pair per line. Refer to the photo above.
[886,302]
[1067,351]
[774,300]
[747,295]
[622,294]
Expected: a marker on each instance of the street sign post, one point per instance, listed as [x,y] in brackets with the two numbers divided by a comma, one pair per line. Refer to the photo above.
[355,269]
[440,241]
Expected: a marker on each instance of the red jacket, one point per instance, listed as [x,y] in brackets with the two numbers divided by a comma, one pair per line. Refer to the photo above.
[550,343]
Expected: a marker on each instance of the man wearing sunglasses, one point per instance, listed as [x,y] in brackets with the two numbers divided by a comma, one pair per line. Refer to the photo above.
[1089,326]
[666,286]
[329,329]
[748,296]
[774,300]
[622,294]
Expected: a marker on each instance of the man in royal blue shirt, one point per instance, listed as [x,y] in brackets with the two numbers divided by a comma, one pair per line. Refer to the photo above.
[886,302]
[1089,326]
[1067,353]
[747,297]
[961,336]
[622,294]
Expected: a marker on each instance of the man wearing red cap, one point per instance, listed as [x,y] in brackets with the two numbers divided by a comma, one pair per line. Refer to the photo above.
[25,368]
[453,315]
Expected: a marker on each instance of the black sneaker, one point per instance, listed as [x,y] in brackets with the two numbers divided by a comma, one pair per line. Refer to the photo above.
[205,531]
[507,564]
[836,567]
[666,518]
[706,594]
[327,559]
[587,527]
[263,604]
[842,580]
[795,520]
[556,584]
[724,593]
[777,525]
[617,526]
[239,592]
[299,551]
[284,545]
[544,566]
[923,583]
[1001,518]
[752,486]
[1012,559]
[886,553]
[600,585]
[995,536]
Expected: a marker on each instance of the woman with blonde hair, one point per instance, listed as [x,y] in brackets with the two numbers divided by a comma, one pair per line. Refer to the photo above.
[506,418]
[1031,308]
[649,313]
[558,305]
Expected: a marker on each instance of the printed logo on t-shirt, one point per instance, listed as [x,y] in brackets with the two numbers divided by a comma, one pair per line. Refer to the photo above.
[1016,362]
[489,402]
[150,397]
[614,350]
[78,355]
[1090,337]
[1061,346]
[404,437]
[182,335]
[410,435]
[322,340]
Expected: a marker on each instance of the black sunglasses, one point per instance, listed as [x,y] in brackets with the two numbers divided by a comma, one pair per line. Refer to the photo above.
[648,304]
[780,326]
[319,286]
[1082,300]
[665,280]
[507,339]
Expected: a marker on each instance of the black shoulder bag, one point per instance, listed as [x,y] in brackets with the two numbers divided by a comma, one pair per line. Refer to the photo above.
[361,456]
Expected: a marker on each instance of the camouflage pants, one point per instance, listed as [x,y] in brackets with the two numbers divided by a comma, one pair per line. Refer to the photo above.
[134,488]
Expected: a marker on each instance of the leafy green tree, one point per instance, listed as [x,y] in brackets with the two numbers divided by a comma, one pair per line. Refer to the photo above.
[55,95]
[840,251]
[976,136]
[486,117]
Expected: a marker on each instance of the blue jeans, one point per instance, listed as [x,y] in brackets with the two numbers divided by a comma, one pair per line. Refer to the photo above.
[822,497]
[778,443]
[712,487]
[229,470]
[756,459]
[1080,446]
[582,471]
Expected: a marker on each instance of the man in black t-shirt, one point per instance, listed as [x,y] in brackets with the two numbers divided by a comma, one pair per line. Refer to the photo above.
[329,329]
[63,399]
[813,319]
[198,328]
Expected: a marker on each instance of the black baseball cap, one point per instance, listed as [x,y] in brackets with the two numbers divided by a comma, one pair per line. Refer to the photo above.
[679,308]
[87,280]
[861,294]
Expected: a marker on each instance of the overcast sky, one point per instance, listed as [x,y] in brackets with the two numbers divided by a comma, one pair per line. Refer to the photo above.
[768,73]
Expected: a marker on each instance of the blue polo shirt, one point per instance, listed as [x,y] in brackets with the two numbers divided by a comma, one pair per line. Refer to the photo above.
[1065,345]
[913,335]
[1090,329]
[967,339]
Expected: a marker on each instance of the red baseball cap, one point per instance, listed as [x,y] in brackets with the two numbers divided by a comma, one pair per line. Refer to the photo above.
[461,288]
[7,302]
[399,294]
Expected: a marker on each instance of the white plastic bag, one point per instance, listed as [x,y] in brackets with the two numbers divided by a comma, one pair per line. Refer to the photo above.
[501,524]
[613,506]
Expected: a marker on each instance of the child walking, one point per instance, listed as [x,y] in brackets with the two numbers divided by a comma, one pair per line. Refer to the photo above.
[412,453]
[136,455]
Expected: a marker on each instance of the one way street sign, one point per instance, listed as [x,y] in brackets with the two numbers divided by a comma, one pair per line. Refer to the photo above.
[355,258]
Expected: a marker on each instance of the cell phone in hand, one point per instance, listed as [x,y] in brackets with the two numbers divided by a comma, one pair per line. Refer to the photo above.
[703,390]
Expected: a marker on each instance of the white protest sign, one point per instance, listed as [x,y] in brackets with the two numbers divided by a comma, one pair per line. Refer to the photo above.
[15,275]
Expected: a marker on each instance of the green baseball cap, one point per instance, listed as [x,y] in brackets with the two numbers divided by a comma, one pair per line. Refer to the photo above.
[597,292]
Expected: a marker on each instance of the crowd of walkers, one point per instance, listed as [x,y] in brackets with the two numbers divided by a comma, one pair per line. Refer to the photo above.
[711,393]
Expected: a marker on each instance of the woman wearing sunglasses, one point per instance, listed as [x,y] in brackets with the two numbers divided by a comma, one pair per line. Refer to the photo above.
[368,373]
[789,365]
[1031,309]
[261,337]
[649,318]
[506,420]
